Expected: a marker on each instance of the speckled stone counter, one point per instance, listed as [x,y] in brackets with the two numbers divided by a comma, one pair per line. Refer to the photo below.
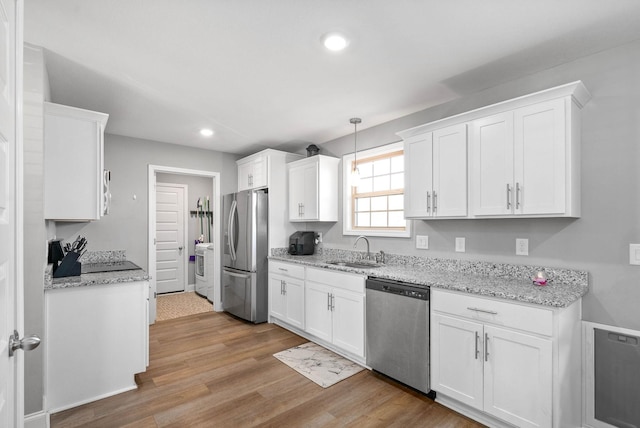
[512,282]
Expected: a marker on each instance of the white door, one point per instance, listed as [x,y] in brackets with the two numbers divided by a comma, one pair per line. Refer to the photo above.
[348,321]
[450,171]
[296,192]
[11,310]
[170,238]
[457,359]
[418,156]
[294,301]
[317,308]
[492,165]
[310,205]
[518,374]
[276,297]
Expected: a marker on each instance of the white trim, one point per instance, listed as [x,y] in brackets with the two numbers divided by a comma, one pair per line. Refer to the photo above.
[588,381]
[37,420]
[151,254]
[185,229]
[346,193]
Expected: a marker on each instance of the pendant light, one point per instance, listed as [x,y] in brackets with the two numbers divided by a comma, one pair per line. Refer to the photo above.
[355,172]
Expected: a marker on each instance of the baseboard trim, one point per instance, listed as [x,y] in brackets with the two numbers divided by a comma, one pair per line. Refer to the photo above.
[37,420]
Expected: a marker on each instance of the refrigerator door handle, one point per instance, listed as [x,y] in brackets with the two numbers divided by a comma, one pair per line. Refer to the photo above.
[233,212]
[237,275]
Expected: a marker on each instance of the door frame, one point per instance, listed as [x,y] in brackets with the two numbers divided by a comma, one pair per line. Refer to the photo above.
[185,229]
[151,215]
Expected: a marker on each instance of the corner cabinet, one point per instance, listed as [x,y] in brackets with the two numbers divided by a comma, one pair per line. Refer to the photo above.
[436,173]
[75,183]
[522,159]
[313,189]
[506,363]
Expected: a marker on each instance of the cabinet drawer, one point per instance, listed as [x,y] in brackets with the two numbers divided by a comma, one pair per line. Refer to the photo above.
[346,281]
[287,269]
[512,315]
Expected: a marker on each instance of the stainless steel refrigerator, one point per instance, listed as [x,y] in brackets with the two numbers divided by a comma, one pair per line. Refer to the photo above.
[244,260]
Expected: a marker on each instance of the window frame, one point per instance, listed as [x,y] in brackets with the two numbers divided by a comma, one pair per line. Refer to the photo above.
[348,214]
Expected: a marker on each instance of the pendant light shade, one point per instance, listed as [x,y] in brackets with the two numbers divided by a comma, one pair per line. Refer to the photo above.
[355,173]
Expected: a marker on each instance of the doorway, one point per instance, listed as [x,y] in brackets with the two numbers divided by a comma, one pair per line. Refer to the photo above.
[171,236]
[157,174]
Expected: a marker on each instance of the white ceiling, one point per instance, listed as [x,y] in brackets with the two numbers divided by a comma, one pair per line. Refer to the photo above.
[255,70]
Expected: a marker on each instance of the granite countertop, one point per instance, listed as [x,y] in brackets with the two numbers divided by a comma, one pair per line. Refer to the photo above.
[99,278]
[512,282]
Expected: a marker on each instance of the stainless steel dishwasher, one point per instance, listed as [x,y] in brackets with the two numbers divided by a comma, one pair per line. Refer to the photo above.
[398,331]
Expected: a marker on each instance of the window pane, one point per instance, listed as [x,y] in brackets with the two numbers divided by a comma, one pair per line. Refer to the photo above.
[396,202]
[396,219]
[397,164]
[381,183]
[397,181]
[379,203]
[363,204]
[379,219]
[365,185]
[362,220]
[366,169]
[382,166]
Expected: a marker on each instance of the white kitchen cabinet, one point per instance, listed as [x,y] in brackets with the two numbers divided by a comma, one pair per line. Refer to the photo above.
[75,183]
[498,361]
[313,189]
[253,171]
[97,339]
[286,293]
[334,309]
[436,173]
[523,162]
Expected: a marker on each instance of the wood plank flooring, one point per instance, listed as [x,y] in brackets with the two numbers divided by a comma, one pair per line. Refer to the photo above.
[212,370]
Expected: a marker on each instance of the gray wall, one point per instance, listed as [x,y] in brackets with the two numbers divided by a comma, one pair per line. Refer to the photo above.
[198,187]
[598,242]
[128,159]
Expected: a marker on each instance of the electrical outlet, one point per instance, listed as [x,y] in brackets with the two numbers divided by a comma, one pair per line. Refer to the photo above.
[319,237]
[460,245]
[422,242]
[634,254]
[522,247]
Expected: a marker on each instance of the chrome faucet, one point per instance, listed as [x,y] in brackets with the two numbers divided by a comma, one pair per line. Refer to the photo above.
[367,241]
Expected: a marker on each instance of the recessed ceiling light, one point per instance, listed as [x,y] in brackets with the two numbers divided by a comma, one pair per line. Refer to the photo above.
[335,42]
[206,132]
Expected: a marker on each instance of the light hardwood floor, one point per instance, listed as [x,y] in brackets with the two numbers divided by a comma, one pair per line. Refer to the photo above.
[212,370]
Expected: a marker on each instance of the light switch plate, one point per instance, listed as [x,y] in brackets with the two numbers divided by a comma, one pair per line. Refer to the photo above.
[422,242]
[634,254]
[460,245]
[522,247]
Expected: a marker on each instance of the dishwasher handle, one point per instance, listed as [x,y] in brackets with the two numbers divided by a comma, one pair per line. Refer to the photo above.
[398,288]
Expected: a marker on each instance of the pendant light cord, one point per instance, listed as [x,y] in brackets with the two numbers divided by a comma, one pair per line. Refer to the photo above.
[355,121]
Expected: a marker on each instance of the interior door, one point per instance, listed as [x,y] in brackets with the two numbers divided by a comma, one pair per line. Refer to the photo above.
[11,318]
[170,237]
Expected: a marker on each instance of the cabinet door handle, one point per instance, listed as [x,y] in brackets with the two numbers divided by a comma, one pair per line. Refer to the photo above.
[333,302]
[328,301]
[485,311]
[517,195]
[486,347]
[283,269]
[281,286]
[428,202]
[508,196]
[284,287]
[435,202]
[302,205]
[477,349]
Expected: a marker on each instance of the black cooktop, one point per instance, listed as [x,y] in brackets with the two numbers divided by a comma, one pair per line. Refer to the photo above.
[108,266]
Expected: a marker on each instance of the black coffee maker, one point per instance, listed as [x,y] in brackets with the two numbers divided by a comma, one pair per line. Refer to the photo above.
[302,243]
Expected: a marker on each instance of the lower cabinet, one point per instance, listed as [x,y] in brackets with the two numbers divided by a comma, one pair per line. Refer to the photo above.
[323,305]
[502,359]
[97,339]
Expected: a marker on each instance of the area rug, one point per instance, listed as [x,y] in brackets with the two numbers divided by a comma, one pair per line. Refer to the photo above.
[318,364]
[176,305]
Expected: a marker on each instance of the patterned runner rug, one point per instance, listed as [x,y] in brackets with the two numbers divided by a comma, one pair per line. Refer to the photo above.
[176,305]
[318,364]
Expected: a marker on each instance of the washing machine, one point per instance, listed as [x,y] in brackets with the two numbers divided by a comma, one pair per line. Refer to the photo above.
[204,270]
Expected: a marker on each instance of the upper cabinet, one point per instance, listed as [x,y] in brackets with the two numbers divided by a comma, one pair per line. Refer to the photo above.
[313,189]
[522,159]
[75,183]
[253,171]
[436,173]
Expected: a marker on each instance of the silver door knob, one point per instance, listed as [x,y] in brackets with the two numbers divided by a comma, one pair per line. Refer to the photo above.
[26,344]
[180,248]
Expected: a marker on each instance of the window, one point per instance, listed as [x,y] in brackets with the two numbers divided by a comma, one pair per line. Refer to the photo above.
[375,205]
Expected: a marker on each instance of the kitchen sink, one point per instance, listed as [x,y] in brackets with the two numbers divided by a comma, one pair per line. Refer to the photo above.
[360,265]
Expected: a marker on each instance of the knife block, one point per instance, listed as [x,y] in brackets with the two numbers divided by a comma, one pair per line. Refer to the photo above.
[70,266]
